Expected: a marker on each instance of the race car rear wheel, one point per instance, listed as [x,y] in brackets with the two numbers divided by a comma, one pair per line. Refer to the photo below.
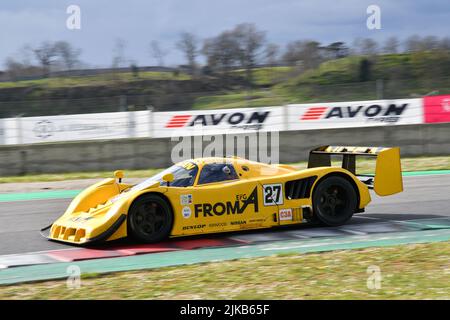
[334,201]
[150,219]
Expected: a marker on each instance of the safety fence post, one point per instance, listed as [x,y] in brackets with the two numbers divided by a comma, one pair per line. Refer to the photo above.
[285,117]
[19,129]
[131,124]
[151,120]
[2,132]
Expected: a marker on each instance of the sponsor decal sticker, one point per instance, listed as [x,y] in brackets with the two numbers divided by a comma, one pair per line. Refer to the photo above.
[313,113]
[236,119]
[251,226]
[285,214]
[217,225]
[186,212]
[241,222]
[178,121]
[44,129]
[188,165]
[186,199]
[256,220]
[229,207]
[437,109]
[273,194]
[197,226]
[383,112]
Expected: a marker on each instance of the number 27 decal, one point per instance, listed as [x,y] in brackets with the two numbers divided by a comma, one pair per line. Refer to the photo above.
[273,194]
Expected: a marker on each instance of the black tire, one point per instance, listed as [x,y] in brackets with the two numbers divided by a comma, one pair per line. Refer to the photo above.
[150,219]
[334,201]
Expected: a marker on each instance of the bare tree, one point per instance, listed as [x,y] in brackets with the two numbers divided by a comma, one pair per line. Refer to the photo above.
[45,54]
[391,45]
[221,52]
[271,53]
[188,44]
[430,43]
[68,54]
[208,50]
[356,46]
[157,52]
[21,65]
[413,43]
[26,55]
[119,53]
[369,47]
[292,54]
[249,41]
[303,53]
[445,44]
[14,68]
[237,47]
[416,43]
[311,54]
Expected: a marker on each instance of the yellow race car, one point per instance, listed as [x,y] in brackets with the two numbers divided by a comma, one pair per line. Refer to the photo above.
[212,195]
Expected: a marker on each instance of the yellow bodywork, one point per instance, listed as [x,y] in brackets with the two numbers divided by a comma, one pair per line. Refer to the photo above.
[388,171]
[99,213]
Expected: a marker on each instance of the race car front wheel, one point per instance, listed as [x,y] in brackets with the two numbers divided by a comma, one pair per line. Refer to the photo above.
[150,219]
[334,201]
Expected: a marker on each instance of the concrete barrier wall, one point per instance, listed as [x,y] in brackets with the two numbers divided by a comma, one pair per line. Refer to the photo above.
[414,140]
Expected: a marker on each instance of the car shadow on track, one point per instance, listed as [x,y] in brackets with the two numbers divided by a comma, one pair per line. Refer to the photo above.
[359,224]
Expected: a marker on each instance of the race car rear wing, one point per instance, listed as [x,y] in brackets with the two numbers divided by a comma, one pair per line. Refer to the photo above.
[388,173]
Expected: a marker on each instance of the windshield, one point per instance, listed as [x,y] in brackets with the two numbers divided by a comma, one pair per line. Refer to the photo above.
[184,176]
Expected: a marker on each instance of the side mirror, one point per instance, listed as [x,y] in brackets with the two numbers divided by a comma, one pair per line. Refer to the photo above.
[168,177]
[226,170]
[119,175]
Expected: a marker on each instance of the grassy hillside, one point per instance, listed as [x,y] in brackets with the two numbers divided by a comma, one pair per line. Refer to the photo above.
[390,76]
[387,76]
[401,75]
[95,80]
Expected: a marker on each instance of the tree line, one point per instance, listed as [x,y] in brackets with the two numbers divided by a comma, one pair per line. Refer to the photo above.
[243,46]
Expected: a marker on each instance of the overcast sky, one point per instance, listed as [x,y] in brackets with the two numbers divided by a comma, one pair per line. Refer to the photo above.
[140,21]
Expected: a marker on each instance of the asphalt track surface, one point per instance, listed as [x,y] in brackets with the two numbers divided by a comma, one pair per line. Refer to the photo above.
[423,197]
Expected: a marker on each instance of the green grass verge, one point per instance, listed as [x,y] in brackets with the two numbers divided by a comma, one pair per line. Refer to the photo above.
[363,166]
[408,272]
